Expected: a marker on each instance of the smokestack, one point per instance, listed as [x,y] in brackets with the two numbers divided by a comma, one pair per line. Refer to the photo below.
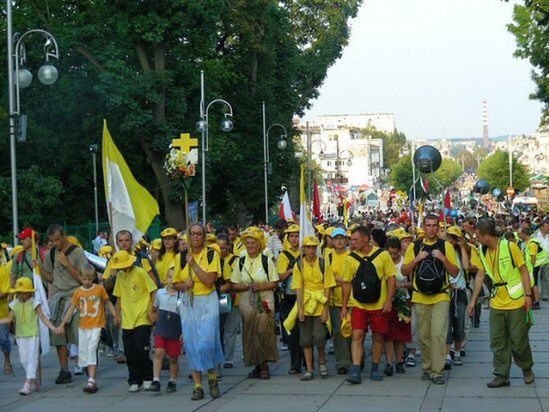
[485,140]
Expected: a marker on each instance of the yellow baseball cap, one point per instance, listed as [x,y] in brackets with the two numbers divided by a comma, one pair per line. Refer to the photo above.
[311,241]
[292,229]
[401,233]
[454,230]
[328,231]
[23,285]
[122,260]
[156,244]
[320,229]
[169,231]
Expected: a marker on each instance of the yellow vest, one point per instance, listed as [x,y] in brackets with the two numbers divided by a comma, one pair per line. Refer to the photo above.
[507,270]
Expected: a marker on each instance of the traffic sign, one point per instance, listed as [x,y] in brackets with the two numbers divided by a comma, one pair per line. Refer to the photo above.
[496,192]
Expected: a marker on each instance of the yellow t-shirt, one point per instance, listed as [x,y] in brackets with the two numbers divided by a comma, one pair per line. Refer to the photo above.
[164,264]
[4,288]
[228,266]
[134,289]
[533,249]
[238,247]
[313,279]
[502,300]
[338,267]
[283,261]
[181,275]
[385,269]
[418,297]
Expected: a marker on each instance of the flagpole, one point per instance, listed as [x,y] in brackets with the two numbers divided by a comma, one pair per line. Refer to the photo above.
[414,180]
[202,114]
[265,166]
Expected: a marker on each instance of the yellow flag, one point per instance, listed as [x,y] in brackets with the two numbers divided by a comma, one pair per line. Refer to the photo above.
[130,206]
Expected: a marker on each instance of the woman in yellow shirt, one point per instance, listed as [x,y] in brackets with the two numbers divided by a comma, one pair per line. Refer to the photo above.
[195,272]
[167,253]
[255,278]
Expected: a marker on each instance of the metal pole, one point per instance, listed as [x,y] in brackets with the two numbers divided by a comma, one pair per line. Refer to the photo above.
[338,166]
[414,179]
[309,165]
[265,165]
[95,192]
[204,138]
[12,123]
[510,148]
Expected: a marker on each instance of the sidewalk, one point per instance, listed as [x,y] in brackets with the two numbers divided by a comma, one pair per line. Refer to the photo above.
[465,391]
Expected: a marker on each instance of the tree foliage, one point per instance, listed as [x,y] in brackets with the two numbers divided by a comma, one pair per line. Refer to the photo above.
[531,30]
[495,169]
[138,65]
[401,176]
[392,143]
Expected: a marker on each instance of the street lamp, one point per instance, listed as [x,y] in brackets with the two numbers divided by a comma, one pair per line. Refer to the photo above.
[281,145]
[349,160]
[203,127]
[21,77]
[94,149]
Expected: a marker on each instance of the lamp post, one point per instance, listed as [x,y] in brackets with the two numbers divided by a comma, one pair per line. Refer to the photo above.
[203,127]
[349,160]
[21,78]
[281,145]
[94,149]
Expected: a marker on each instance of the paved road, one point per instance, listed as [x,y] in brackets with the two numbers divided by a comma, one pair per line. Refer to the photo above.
[465,391]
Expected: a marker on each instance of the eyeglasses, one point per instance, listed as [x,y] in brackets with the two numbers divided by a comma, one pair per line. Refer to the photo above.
[196,233]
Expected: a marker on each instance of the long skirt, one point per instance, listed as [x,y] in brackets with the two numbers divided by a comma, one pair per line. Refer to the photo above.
[200,328]
[258,328]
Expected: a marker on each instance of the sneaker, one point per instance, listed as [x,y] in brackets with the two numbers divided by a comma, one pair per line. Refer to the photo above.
[457,361]
[147,385]
[78,370]
[63,377]
[342,371]
[134,387]
[323,370]
[528,376]
[171,388]
[284,347]
[411,362]
[388,371]
[91,387]
[25,390]
[355,377]
[400,367]
[109,353]
[214,388]
[307,376]
[376,376]
[155,386]
[198,394]
[438,380]
[536,306]
[498,382]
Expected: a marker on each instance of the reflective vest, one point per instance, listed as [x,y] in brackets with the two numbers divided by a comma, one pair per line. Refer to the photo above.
[508,272]
[542,257]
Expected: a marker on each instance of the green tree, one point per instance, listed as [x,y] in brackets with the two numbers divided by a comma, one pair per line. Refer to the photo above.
[138,65]
[531,30]
[401,176]
[467,159]
[392,143]
[39,197]
[495,169]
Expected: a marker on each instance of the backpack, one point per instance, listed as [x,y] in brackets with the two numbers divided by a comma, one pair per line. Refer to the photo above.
[264,263]
[67,253]
[366,283]
[21,258]
[430,274]
[210,255]
[141,255]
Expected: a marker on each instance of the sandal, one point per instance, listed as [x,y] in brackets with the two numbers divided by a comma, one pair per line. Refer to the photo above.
[8,369]
[323,370]
[255,373]
[307,376]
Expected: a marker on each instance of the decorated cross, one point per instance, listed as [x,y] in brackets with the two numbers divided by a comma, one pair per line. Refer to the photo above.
[185,143]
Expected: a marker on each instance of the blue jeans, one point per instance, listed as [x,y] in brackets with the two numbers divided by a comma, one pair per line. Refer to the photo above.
[5,343]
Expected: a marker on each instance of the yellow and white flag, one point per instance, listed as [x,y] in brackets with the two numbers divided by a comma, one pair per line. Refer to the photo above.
[130,206]
[305,225]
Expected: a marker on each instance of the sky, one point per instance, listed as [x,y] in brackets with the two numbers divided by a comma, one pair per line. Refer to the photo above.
[432,63]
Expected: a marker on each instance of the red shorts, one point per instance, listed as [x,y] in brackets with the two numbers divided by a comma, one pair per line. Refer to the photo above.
[171,346]
[378,321]
[398,330]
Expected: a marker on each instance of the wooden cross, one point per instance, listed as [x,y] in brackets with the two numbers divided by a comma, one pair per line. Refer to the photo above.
[185,142]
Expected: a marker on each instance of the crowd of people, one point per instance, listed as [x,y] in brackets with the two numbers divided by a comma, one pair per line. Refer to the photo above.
[417,288]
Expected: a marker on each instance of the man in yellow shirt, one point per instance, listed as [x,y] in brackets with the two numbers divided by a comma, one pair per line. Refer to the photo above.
[370,274]
[135,291]
[336,260]
[510,315]
[429,263]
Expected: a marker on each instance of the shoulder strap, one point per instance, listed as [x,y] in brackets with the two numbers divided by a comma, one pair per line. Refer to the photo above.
[70,249]
[20,256]
[210,255]
[232,259]
[355,256]
[183,255]
[241,261]
[374,255]
[265,264]
[331,258]
[417,247]
[322,264]
[288,255]
[52,257]
[511,255]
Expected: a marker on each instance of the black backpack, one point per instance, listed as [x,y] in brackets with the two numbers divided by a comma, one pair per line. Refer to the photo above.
[366,283]
[264,263]
[430,274]
[210,255]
